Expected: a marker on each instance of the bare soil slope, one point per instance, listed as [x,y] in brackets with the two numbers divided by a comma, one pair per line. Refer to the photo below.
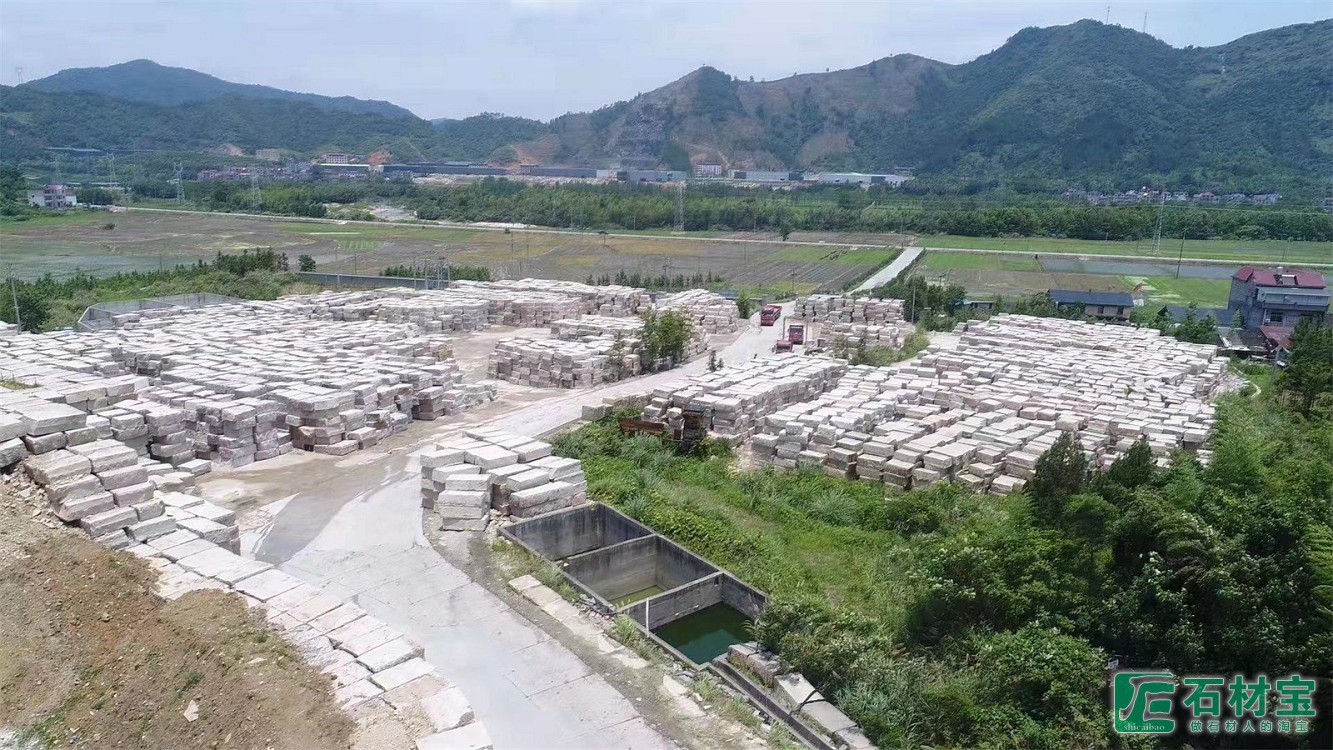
[90,657]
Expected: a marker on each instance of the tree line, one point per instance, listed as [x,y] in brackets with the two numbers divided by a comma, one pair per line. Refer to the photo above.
[817,208]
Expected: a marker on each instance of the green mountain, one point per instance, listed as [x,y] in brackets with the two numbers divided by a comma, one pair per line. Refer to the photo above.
[1084,104]
[1090,102]
[146,81]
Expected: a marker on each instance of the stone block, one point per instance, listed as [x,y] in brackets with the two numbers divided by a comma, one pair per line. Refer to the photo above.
[155,527]
[133,494]
[73,510]
[46,418]
[402,674]
[11,452]
[123,477]
[53,467]
[39,444]
[98,524]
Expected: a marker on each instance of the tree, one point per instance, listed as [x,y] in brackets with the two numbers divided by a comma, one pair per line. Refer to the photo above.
[33,307]
[746,304]
[1309,371]
[1061,473]
[306,263]
[1135,468]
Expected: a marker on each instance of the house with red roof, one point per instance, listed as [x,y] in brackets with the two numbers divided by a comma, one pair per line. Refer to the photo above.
[1275,301]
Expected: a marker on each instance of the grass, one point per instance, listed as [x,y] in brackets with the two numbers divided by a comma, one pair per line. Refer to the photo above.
[516,562]
[15,385]
[1260,251]
[936,261]
[1169,289]
[836,254]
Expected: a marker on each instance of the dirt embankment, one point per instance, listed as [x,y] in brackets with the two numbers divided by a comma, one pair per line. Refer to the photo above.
[89,657]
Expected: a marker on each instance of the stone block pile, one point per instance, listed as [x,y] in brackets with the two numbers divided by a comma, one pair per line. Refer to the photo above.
[736,400]
[853,335]
[553,363]
[367,659]
[983,413]
[245,382]
[99,483]
[711,313]
[467,476]
[839,308]
[611,300]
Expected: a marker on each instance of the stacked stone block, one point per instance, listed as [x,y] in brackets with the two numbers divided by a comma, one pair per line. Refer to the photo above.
[982,414]
[736,399]
[552,363]
[710,312]
[465,477]
[838,308]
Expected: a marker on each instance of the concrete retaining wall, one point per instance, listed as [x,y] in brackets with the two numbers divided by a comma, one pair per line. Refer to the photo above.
[565,533]
[634,565]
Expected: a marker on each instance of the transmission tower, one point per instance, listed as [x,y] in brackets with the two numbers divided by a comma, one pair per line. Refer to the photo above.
[254,190]
[680,207]
[180,182]
[111,169]
[18,73]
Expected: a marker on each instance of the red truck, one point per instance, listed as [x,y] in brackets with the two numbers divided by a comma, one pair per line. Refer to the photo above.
[796,333]
[769,315]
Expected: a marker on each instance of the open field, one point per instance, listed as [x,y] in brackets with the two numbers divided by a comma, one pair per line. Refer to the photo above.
[149,240]
[1007,276]
[1257,251]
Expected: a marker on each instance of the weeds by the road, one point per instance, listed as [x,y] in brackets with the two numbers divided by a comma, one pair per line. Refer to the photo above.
[516,562]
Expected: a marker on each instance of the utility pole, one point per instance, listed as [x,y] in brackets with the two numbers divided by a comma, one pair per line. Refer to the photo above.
[13,291]
[1157,236]
[1180,258]
[680,207]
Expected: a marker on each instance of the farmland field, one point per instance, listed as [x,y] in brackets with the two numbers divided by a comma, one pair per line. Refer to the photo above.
[142,240]
[1256,251]
[1013,275]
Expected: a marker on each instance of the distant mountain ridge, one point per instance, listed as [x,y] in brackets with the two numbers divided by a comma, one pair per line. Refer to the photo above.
[148,82]
[1087,104]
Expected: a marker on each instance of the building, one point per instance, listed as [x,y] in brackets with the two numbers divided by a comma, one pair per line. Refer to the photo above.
[858,178]
[708,170]
[426,168]
[581,173]
[650,175]
[754,175]
[343,170]
[336,158]
[53,196]
[268,154]
[1280,298]
[1114,306]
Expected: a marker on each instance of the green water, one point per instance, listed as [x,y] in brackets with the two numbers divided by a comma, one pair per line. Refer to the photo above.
[706,633]
[639,595]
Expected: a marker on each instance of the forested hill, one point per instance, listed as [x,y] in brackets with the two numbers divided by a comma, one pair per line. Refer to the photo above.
[146,81]
[1090,103]
[1087,105]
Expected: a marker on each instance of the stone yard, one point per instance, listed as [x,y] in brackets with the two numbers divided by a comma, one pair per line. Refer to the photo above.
[980,414]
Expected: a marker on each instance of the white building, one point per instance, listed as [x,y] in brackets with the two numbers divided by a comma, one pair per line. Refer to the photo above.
[53,196]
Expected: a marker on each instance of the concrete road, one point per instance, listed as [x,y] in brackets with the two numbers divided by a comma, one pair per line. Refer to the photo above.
[529,689]
[352,525]
[551,414]
[890,272]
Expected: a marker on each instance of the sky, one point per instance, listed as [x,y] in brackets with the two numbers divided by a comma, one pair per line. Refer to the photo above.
[542,58]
